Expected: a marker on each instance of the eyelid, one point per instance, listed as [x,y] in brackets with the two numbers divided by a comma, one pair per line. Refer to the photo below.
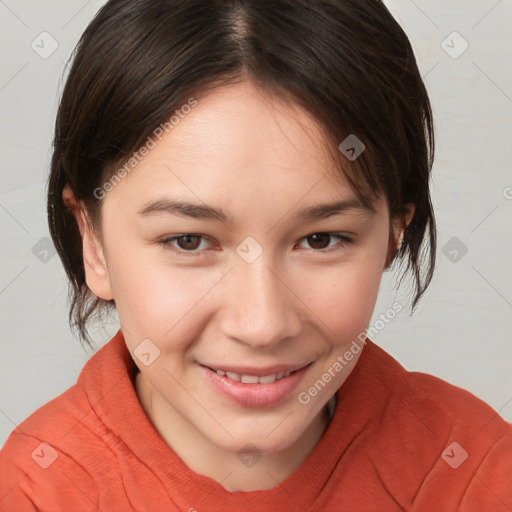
[166,242]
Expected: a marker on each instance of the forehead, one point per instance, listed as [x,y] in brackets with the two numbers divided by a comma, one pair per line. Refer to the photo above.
[244,125]
[249,127]
[241,142]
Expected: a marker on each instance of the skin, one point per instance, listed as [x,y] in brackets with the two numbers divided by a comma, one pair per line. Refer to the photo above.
[261,160]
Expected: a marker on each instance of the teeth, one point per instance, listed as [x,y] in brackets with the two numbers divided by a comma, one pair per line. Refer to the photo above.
[233,376]
[268,379]
[253,379]
[249,379]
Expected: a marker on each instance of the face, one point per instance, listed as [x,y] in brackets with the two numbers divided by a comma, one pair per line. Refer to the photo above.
[226,304]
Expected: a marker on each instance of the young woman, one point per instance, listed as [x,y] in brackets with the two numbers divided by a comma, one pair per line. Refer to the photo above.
[234,177]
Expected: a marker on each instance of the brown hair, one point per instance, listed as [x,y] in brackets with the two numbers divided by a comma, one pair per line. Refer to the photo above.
[347,62]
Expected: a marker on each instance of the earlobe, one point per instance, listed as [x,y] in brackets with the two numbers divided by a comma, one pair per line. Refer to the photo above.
[95,265]
[397,227]
[408,215]
[401,223]
[96,271]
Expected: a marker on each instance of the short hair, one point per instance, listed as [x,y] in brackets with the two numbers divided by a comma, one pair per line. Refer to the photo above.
[348,63]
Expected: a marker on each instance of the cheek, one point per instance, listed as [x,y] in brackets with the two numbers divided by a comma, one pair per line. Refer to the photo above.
[152,297]
[344,297]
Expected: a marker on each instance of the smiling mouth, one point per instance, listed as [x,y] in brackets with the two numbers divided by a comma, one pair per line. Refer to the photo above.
[255,387]
[255,379]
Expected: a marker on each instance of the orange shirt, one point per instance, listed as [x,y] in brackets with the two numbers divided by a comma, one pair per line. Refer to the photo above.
[398,441]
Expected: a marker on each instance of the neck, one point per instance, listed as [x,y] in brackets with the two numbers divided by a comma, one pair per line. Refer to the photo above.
[234,471]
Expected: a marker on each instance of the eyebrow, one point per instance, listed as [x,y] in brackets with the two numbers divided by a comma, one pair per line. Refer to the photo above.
[205,212]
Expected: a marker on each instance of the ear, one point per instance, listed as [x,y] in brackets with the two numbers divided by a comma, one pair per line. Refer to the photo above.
[397,227]
[95,265]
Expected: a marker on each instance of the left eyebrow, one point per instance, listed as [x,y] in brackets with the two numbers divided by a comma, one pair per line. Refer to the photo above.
[324,211]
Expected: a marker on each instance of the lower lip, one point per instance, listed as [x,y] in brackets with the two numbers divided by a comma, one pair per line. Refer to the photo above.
[255,395]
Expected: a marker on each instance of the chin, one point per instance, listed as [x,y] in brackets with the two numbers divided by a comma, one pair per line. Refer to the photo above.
[271,436]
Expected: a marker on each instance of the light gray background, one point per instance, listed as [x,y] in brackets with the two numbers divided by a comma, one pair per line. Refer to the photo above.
[461,331]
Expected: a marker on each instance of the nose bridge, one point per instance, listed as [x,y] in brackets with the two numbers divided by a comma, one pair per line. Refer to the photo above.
[260,309]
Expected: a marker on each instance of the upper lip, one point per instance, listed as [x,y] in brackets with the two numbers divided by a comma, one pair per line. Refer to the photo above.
[257,371]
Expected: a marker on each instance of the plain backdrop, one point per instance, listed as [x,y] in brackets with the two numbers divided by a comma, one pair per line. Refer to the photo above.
[461,331]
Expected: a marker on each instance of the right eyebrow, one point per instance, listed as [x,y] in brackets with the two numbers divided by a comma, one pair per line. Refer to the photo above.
[185,209]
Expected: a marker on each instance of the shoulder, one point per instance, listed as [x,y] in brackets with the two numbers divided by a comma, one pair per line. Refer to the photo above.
[441,438]
[436,404]
[452,412]
[48,458]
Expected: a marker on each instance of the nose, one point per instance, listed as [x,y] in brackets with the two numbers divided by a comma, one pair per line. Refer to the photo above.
[259,305]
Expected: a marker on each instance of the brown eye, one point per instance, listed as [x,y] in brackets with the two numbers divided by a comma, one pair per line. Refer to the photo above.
[188,242]
[319,240]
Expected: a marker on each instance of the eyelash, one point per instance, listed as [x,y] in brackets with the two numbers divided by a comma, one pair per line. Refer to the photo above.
[167,242]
